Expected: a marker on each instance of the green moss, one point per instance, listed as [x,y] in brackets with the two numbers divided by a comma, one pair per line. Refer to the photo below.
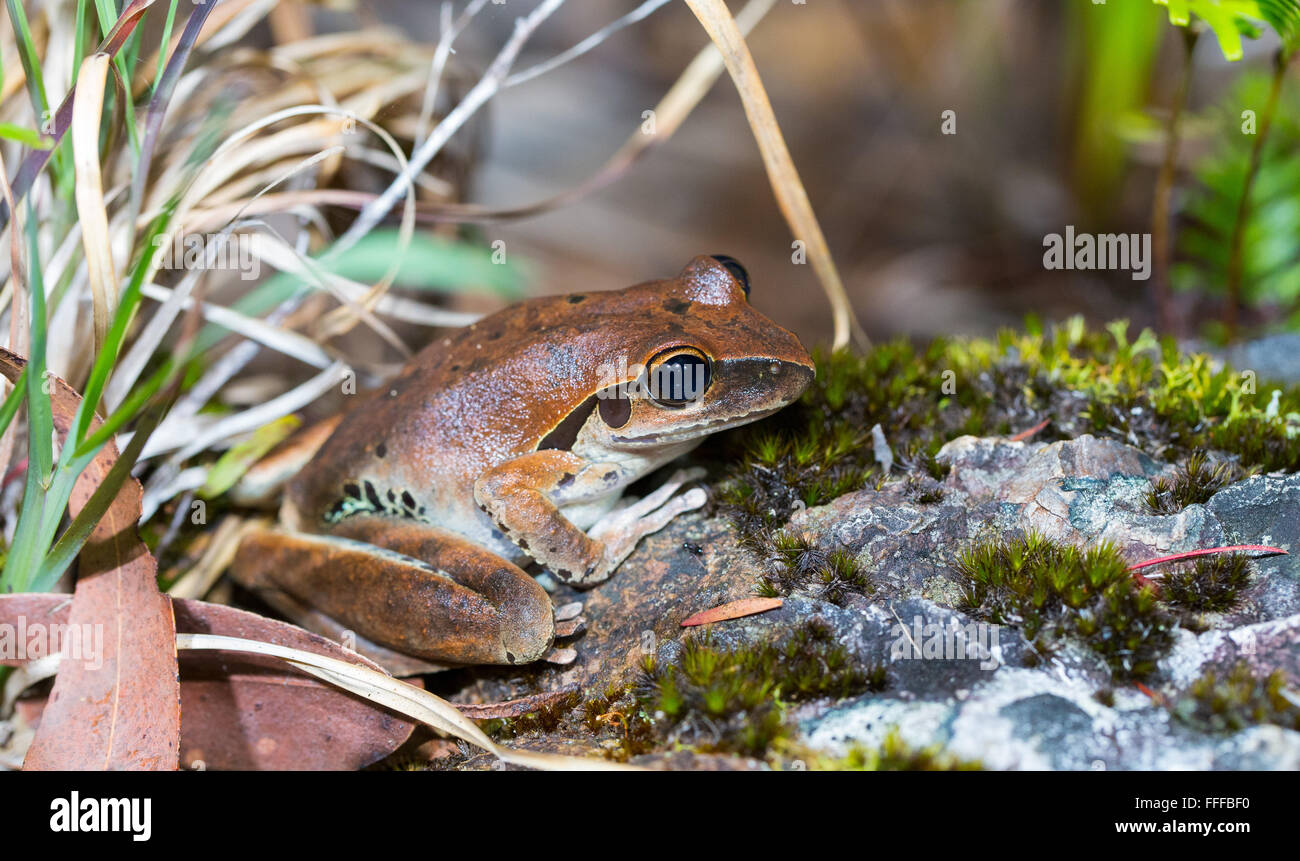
[733,700]
[1193,482]
[544,720]
[616,715]
[1239,700]
[795,564]
[1051,590]
[1210,584]
[894,754]
[1140,391]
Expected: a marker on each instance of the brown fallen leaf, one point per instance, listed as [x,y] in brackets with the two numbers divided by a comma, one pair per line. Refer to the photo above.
[515,708]
[119,709]
[1028,433]
[242,711]
[732,610]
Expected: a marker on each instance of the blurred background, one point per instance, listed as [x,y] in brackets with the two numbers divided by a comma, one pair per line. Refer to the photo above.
[1061,110]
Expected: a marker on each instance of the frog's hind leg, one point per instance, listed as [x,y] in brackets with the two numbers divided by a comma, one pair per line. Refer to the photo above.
[414,588]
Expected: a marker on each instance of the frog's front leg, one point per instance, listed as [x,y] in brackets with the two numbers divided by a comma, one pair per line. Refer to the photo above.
[523,497]
[414,588]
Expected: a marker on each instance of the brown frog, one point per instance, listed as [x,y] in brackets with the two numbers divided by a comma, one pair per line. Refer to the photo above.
[513,439]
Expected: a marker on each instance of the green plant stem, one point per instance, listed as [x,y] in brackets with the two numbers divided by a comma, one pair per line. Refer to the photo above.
[1232,300]
[1160,232]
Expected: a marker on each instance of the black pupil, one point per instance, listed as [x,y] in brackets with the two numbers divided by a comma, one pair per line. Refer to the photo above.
[737,271]
[679,380]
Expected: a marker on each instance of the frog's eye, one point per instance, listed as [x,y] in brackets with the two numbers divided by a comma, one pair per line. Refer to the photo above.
[678,376]
[737,271]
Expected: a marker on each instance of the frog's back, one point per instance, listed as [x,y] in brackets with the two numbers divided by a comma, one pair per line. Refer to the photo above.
[472,399]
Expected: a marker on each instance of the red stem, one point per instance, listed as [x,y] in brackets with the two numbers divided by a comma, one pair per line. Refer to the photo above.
[1210,551]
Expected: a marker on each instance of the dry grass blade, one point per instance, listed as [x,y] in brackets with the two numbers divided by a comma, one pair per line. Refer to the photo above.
[281,340]
[790,193]
[402,698]
[481,92]
[671,111]
[87,112]
[183,436]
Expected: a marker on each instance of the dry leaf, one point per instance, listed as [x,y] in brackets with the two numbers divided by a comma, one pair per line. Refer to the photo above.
[115,707]
[515,708]
[242,711]
[733,610]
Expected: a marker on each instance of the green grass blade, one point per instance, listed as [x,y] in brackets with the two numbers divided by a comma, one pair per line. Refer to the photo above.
[27,137]
[26,549]
[78,532]
[13,401]
[162,45]
[30,59]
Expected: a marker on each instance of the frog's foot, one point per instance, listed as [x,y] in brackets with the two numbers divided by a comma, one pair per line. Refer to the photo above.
[410,587]
[521,497]
[622,528]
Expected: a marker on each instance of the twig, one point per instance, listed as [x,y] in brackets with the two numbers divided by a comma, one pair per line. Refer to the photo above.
[448,31]
[790,193]
[487,87]
[640,13]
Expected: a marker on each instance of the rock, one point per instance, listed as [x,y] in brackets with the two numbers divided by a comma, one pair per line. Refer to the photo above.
[1265,510]
[1029,719]
[979,691]
[1265,646]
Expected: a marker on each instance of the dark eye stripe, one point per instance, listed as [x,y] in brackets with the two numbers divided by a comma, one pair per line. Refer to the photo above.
[565,434]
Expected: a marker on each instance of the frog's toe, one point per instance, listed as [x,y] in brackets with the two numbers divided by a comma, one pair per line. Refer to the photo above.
[651,513]
[562,656]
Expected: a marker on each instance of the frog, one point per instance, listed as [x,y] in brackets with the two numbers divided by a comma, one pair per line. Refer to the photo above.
[411,518]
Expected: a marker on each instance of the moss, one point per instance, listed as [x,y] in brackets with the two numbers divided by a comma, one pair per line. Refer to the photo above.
[1210,584]
[1139,390]
[795,564]
[894,754]
[1238,700]
[1193,482]
[544,720]
[734,700]
[617,716]
[1051,590]
[922,494]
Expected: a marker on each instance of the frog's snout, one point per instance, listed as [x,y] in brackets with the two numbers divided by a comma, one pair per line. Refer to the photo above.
[764,384]
[790,379]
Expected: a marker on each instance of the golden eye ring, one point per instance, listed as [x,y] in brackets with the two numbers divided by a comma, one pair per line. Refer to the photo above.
[678,376]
